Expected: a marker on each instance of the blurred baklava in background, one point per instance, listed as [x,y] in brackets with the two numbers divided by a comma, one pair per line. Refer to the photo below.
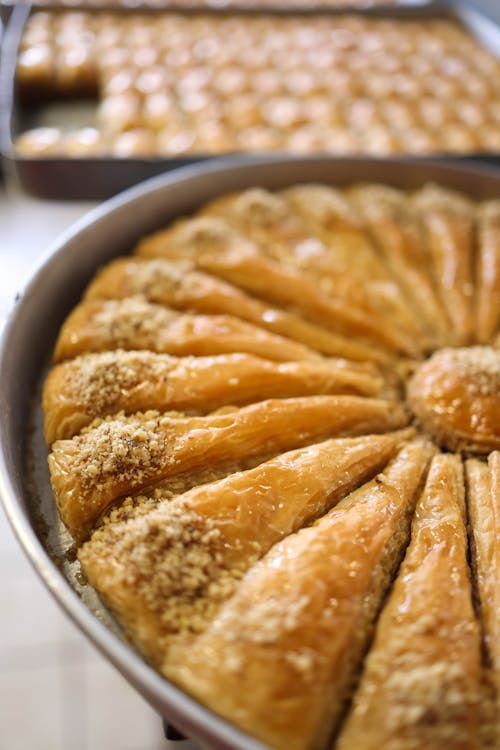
[168,84]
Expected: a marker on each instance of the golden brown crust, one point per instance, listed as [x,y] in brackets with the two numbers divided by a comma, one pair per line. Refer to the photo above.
[174,283]
[271,223]
[456,397]
[96,385]
[483,503]
[172,587]
[186,239]
[294,633]
[392,85]
[126,454]
[421,681]
[276,228]
[133,323]
[224,310]
[396,231]
[448,221]
[488,272]
[219,249]
[327,213]
[287,287]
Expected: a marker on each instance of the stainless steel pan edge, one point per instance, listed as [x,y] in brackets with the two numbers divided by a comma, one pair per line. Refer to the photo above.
[54,288]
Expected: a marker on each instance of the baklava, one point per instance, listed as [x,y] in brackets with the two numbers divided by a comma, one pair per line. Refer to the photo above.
[171,84]
[274,435]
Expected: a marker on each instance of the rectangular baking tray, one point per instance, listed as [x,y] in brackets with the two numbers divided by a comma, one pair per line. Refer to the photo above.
[98,178]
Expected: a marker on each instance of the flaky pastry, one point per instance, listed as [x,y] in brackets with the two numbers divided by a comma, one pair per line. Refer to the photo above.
[126,454]
[215,398]
[175,284]
[209,536]
[133,323]
[293,634]
[94,385]
[421,681]
[456,396]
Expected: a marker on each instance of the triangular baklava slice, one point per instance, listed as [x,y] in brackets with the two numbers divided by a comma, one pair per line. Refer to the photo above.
[327,213]
[279,658]
[96,385]
[449,228]
[275,226]
[483,502]
[169,283]
[395,228]
[420,686]
[123,455]
[289,288]
[165,570]
[134,323]
[239,261]
[488,272]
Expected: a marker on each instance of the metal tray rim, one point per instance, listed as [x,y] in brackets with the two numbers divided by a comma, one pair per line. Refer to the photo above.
[365,6]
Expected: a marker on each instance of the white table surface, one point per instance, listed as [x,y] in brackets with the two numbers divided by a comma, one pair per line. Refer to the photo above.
[27,228]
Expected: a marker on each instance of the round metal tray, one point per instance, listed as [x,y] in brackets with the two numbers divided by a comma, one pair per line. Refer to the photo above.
[28,338]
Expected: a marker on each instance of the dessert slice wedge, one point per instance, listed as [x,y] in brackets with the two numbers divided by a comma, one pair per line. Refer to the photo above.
[488,272]
[420,687]
[133,323]
[95,385]
[267,279]
[190,237]
[327,214]
[164,572]
[268,220]
[449,227]
[279,658]
[174,284]
[123,455]
[483,501]
[239,261]
[398,234]
[263,217]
